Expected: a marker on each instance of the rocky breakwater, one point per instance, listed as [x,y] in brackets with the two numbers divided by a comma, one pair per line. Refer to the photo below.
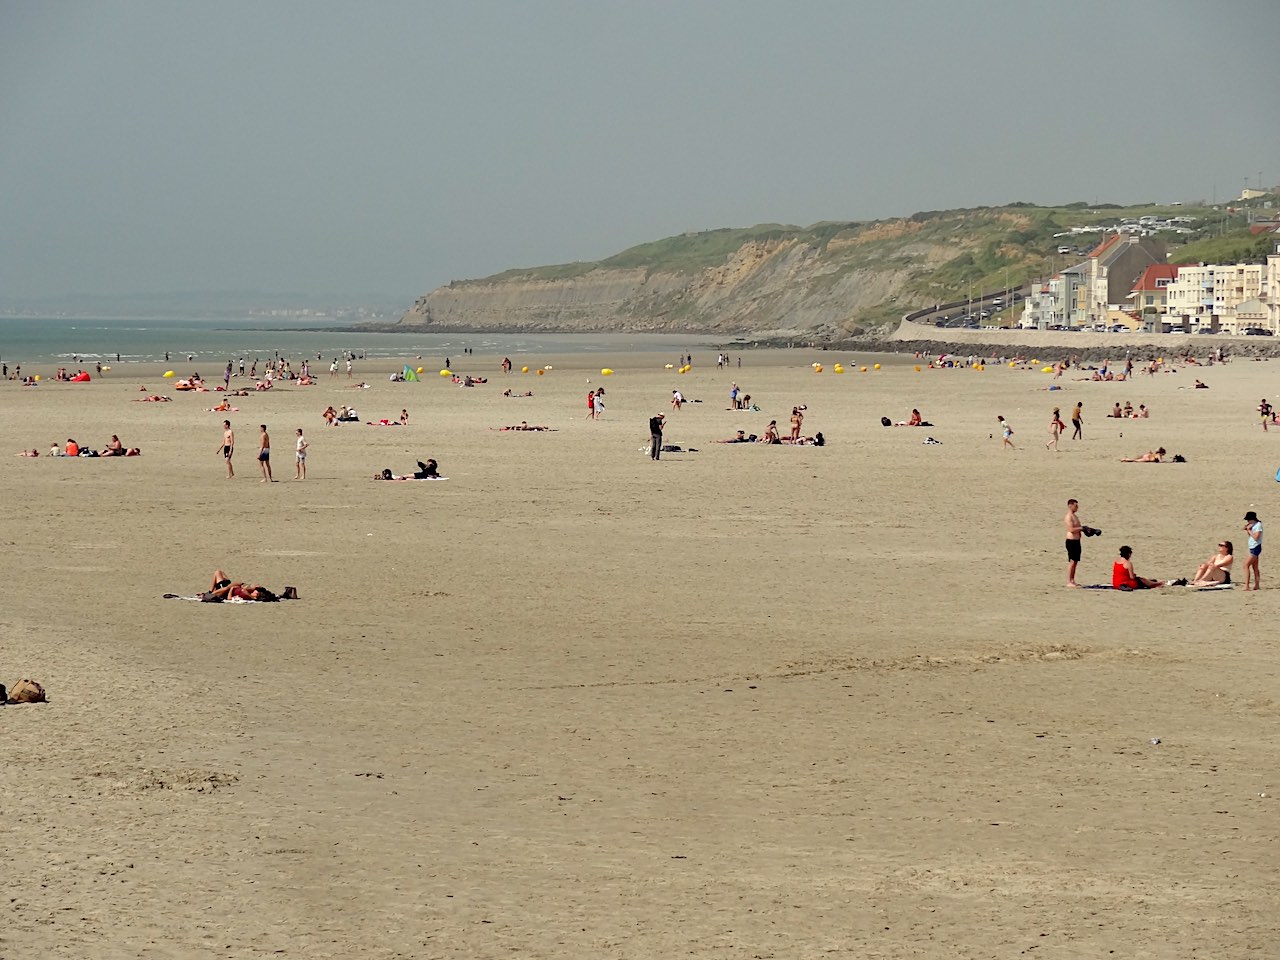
[1055,345]
[765,288]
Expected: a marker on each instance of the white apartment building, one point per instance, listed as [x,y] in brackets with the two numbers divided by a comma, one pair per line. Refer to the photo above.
[1202,292]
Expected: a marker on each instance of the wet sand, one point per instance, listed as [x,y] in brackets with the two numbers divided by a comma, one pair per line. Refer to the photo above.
[750,701]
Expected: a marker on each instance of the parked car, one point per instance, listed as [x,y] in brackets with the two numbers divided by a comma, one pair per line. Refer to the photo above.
[1205,330]
[1257,332]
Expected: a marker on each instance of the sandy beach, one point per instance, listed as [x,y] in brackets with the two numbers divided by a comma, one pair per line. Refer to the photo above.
[750,701]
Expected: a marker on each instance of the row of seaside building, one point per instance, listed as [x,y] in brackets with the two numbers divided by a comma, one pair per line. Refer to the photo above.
[1126,282]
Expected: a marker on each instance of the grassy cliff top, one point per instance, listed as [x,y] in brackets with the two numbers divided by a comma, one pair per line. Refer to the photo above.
[947,251]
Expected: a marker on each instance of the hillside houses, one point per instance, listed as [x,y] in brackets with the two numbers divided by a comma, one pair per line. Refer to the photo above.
[1126,283]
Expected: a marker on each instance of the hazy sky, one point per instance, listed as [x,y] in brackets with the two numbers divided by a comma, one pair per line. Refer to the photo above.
[389,147]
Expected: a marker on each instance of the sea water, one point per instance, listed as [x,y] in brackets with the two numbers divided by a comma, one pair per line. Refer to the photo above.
[60,340]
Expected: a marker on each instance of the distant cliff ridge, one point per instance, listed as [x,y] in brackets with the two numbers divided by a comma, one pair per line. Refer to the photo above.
[770,281]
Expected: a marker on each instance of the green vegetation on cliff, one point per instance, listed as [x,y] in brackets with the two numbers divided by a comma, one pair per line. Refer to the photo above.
[829,276]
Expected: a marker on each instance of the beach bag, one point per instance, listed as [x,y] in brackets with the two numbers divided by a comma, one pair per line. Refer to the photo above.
[886,422]
[290,593]
[27,691]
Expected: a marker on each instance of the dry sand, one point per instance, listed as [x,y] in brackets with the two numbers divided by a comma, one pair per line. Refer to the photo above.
[746,702]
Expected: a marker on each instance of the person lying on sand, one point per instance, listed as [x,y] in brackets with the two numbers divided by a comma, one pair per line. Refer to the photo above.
[426,471]
[154,398]
[508,393]
[1123,576]
[33,452]
[524,425]
[1217,569]
[223,588]
[740,437]
[1151,456]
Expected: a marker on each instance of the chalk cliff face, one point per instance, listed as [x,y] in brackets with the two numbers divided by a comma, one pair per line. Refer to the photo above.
[768,288]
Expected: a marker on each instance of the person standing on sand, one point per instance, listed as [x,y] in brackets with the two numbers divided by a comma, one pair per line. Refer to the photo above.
[1077,420]
[1006,434]
[1253,527]
[591,404]
[226,377]
[1074,528]
[228,446]
[300,468]
[264,454]
[655,436]
[1056,426]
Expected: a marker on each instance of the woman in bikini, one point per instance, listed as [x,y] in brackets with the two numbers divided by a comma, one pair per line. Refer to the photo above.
[1217,569]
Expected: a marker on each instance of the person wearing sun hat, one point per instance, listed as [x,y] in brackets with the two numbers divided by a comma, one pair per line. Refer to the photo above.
[1253,527]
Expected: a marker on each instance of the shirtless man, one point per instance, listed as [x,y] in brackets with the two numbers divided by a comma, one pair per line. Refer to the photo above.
[264,454]
[228,446]
[1077,421]
[1074,528]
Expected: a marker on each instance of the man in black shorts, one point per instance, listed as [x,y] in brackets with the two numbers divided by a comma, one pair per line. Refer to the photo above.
[1074,529]
[264,455]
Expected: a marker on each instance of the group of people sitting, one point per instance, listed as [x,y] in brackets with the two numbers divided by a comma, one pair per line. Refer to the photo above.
[347,415]
[1128,413]
[1213,572]
[114,448]
[817,440]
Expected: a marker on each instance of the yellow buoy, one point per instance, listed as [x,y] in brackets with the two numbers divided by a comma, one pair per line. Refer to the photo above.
[169,374]
[863,369]
[837,369]
[817,368]
[1046,369]
[526,369]
[37,376]
[877,366]
[541,372]
[1012,364]
[917,368]
[446,373]
[420,369]
[606,372]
